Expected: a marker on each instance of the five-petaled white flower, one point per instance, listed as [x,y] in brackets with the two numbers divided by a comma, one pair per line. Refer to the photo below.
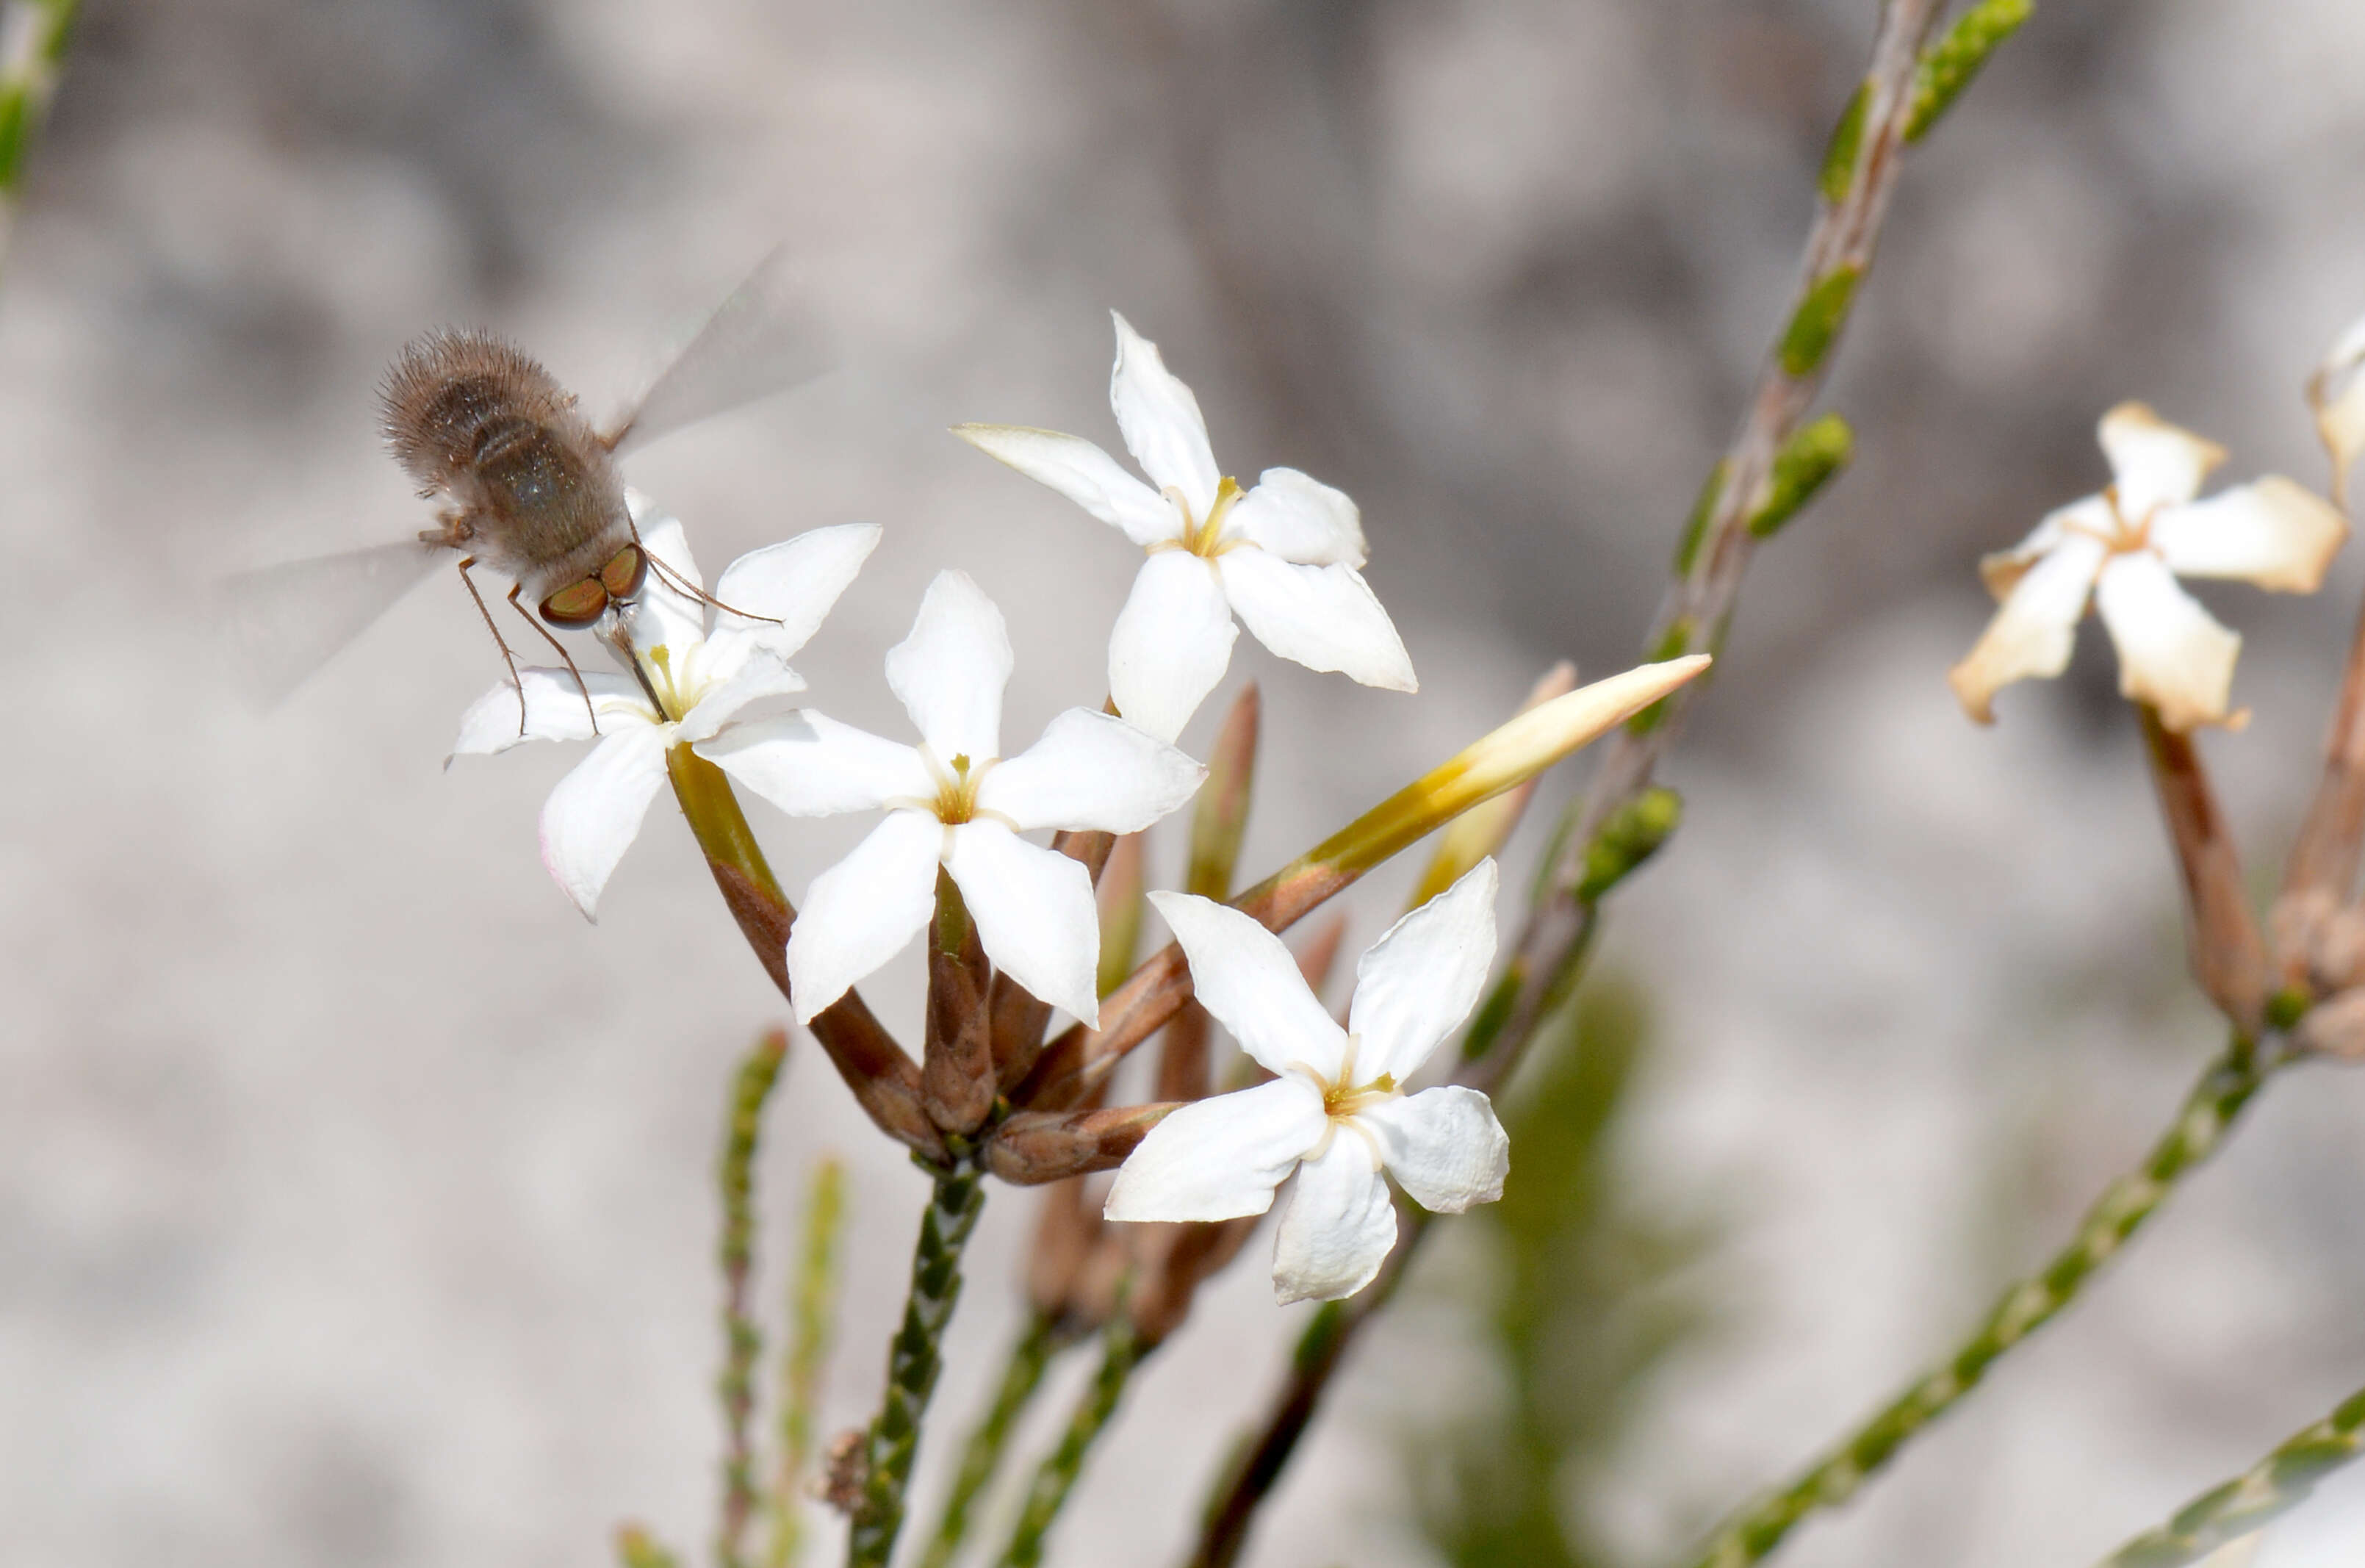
[2125,547]
[954,801]
[1283,556]
[1335,1112]
[700,680]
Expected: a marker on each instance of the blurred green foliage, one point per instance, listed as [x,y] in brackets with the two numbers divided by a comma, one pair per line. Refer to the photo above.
[1579,1305]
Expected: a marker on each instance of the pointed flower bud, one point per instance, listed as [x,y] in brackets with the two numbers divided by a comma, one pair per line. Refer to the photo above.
[1482,830]
[1495,763]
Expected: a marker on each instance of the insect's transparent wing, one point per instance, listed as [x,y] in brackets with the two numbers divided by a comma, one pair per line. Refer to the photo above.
[285,622]
[757,343]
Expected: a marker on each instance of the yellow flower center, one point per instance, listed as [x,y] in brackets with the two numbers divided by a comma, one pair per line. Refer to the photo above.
[1343,1096]
[2124,536]
[672,702]
[957,790]
[1204,537]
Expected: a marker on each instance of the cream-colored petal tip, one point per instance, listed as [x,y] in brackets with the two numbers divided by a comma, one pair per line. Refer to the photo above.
[2137,420]
[1975,686]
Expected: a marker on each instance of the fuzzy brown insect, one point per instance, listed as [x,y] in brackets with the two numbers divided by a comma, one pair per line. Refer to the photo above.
[528,487]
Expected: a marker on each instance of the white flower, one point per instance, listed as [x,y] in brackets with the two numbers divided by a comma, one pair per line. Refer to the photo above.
[953,802]
[2126,547]
[1283,556]
[1335,1112]
[702,682]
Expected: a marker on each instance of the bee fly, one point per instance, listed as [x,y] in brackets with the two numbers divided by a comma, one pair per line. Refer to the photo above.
[530,489]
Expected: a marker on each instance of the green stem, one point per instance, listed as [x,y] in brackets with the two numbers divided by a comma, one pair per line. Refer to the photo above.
[914,1359]
[813,1302]
[33,33]
[742,1342]
[2200,1126]
[2276,1485]
[1121,1352]
[1022,1374]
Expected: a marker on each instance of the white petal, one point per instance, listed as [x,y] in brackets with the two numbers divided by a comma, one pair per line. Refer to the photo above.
[1415,985]
[2172,654]
[1171,643]
[2035,627]
[1243,975]
[596,812]
[2002,569]
[662,535]
[1443,1146]
[1325,617]
[1035,914]
[790,587]
[1090,770]
[1220,1159]
[1299,519]
[762,674]
[1161,420]
[554,711]
[1085,475]
[809,765]
[2154,463]
[2336,392]
[1336,1225]
[950,671]
[859,913]
[662,616]
[2272,532]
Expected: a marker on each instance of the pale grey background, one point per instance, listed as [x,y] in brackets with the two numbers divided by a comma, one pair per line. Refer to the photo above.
[353,1196]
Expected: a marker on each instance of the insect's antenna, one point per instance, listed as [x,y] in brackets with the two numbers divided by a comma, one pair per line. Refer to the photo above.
[580,684]
[507,658]
[683,586]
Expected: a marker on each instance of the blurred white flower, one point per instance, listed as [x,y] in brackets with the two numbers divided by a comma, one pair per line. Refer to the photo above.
[2336,393]
[2125,547]
[702,681]
[1283,556]
[953,802]
[1334,1114]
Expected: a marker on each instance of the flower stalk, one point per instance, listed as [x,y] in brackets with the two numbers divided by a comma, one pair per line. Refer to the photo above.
[813,1302]
[1022,1374]
[2222,941]
[742,1342]
[2201,1124]
[1120,1351]
[874,1067]
[2275,1485]
[914,1359]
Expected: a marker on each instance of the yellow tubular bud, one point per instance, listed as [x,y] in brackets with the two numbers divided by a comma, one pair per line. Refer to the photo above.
[1483,829]
[1495,763]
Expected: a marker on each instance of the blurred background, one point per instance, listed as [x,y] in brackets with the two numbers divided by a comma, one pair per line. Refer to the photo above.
[355,1194]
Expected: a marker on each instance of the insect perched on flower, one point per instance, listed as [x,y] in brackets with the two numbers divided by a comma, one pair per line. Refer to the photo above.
[529,488]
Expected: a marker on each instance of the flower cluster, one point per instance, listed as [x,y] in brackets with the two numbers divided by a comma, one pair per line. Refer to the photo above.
[704,683]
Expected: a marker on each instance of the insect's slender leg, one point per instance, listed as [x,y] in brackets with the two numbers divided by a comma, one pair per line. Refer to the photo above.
[507,658]
[682,585]
[580,684]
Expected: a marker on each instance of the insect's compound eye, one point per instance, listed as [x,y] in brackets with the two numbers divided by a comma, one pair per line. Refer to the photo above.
[625,572]
[576,604]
